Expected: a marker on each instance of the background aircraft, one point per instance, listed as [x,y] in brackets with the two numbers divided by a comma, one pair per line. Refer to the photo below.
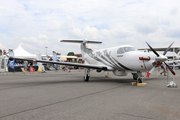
[120,60]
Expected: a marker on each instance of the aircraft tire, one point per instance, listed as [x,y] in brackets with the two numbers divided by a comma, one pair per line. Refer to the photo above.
[86,79]
[139,80]
[135,76]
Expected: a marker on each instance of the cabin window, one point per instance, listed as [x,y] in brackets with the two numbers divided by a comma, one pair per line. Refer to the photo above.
[120,51]
[128,49]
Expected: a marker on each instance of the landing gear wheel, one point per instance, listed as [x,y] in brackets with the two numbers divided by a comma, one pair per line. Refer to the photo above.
[135,76]
[86,78]
[139,80]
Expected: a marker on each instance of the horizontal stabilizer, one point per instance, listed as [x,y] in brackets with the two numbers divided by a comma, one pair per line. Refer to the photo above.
[81,41]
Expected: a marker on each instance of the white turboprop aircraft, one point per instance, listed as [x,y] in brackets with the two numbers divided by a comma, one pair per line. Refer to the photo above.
[120,60]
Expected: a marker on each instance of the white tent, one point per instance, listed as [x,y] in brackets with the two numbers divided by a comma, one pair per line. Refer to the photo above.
[19,52]
[64,58]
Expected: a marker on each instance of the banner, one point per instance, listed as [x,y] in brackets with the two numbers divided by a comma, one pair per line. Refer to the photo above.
[11,53]
[38,57]
[55,58]
[11,63]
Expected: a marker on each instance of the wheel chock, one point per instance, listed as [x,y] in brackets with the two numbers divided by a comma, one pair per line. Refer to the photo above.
[141,84]
[134,83]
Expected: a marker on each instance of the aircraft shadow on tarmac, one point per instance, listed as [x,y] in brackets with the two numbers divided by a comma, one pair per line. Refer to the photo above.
[79,81]
[74,81]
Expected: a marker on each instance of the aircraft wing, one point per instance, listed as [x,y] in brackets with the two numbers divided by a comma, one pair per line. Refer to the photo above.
[66,63]
[175,63]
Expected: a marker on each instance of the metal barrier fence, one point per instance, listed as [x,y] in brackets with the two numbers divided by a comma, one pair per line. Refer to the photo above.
[3,64]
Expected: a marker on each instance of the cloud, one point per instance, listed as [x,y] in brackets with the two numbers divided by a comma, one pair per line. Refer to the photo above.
[174,11]
[172,32]
[145,29]
[43,23]
[41,40]
[2,46]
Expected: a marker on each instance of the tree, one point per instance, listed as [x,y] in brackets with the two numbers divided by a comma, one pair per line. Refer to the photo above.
[70,54]
[58,53]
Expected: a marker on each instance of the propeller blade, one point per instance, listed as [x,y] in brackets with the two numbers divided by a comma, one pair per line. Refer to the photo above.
[149,73]
[167,49]
[170,69]
[153,50]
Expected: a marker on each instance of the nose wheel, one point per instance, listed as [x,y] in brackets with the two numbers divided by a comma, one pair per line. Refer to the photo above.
[139,77]
[139,80]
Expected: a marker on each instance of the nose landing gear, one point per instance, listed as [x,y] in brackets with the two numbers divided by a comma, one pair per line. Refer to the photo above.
[139,79]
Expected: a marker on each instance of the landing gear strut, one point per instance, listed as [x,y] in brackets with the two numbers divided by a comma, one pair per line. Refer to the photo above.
[86,74]
[139,77]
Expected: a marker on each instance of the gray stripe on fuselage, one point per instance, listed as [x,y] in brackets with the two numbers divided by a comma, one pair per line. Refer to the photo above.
[121,65]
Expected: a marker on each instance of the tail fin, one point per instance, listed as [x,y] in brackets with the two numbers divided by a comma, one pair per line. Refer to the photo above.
[83,44]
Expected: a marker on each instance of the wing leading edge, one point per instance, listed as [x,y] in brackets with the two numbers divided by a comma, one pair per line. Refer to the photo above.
[66,63]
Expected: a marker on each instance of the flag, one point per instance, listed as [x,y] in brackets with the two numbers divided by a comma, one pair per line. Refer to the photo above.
[55,58]
[11,63]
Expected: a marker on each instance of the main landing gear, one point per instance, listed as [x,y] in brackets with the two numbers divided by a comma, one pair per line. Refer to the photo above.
[86,74]
[138,77]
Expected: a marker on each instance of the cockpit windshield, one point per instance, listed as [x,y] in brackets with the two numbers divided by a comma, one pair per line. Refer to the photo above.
[128,49]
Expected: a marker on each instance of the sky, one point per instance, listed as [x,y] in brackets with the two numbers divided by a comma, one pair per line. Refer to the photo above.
[36,24]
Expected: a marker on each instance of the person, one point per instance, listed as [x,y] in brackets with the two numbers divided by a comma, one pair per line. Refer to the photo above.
[163,66]
[47,65]
[70,67]
[35,66]
[31,68]
[4,52]
[65,68]
[25,65]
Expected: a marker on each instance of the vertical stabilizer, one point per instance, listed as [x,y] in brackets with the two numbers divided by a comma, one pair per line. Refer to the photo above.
[83,44]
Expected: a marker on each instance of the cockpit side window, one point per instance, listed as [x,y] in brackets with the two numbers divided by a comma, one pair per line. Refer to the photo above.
[120,51]
[128,49]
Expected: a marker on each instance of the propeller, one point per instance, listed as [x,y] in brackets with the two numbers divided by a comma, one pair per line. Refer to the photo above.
[153,50]
[160,59]
[170,69]
[167,49]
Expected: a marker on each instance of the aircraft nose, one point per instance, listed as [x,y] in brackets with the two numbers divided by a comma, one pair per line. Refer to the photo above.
[161,58]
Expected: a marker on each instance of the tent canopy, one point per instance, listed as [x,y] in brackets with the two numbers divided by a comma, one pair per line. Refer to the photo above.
[21,53]
[63,58]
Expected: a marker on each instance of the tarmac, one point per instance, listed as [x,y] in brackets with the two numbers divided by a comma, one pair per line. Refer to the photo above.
[65,96]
